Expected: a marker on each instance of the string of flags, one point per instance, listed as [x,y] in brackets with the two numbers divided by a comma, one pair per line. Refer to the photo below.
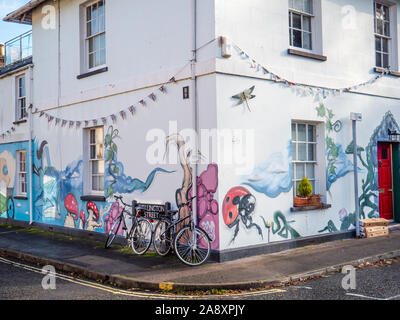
[7,132]
[112,118]
[302,89]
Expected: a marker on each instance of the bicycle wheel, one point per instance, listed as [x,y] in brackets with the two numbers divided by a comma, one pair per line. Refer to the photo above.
[141,237]
[162,238]
[113,232]
[190,253]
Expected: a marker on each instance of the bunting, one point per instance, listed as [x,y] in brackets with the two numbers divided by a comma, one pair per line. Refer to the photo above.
[104,120]
[303,89]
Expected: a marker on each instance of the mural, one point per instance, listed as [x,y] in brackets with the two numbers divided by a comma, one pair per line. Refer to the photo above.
[281,226]
[244,97]
[274,176]
[348,221]
[116,181]
[238,206]
[7,179]
[369,198]
[338,165]
[207,185]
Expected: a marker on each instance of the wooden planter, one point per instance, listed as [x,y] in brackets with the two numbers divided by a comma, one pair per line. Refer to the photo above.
[313,200]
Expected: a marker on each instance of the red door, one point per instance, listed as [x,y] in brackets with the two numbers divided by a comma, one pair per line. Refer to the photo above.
[385,181]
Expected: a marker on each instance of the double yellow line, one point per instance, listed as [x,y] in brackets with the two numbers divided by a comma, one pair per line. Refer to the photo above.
[128,293]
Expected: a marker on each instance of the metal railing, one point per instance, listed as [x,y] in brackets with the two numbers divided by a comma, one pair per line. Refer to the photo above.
[18,48]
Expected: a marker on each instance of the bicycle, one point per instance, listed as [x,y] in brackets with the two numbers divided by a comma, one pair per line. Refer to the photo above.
[191,243]
[141,233]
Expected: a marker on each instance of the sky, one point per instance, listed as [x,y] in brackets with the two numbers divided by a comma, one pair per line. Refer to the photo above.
[9,30]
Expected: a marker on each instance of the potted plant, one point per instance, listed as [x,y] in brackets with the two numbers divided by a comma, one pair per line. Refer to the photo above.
[305,197]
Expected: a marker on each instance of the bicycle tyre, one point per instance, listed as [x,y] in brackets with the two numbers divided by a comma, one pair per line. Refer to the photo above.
[141,237]
[113,233]
[186,252]
[164,245]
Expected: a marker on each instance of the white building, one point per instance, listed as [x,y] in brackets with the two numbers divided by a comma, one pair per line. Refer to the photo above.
[112,83]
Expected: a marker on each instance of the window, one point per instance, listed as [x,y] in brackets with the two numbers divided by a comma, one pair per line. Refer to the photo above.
[21,173]
[304,144]
[300,23]
[96,159]
[95,34]
[382,35]
[21,98]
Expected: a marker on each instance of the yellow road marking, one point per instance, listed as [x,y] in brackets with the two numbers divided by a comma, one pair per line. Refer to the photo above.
[116,291]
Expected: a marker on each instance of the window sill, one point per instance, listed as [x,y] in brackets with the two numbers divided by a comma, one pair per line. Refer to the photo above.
[392,73]
[323,206]
[20,121]
[93,198]
[20,198]
[307,54]
[92,73]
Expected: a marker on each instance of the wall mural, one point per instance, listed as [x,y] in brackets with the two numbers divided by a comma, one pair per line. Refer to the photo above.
[338,165]
[281,226]
[7,179]
[115,180]
[244,97]
[369,198]
[57,195]
[274,176]
[207,185]
[238,207]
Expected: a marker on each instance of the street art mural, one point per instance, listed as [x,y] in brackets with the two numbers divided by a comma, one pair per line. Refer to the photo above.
[116,181]
[207,185]
[58,192]
[274,176]
[238,207]
[338,165]
[368,157]
[7,179]
[347,220]
[281,226]
[244,97]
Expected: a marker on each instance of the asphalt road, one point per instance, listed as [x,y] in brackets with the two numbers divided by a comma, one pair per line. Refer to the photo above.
[22,281]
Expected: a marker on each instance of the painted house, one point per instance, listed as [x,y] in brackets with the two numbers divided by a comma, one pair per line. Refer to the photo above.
[117,101]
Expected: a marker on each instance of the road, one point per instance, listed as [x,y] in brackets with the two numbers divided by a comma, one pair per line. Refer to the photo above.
[19,280]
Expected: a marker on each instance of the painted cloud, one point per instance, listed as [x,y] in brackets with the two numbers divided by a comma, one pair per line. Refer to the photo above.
[274,176]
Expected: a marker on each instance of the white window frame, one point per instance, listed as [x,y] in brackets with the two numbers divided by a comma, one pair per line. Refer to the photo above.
[22,174]
[20,99]
[87,38]
[89,161]
[391,37]
[316,26]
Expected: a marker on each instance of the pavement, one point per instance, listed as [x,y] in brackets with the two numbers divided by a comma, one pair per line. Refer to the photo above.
[118,266]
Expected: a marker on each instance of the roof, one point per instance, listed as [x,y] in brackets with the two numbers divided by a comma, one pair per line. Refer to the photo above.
[24,14]
[15,66]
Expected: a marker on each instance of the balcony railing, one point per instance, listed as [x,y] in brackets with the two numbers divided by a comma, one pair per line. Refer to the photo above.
[18,48]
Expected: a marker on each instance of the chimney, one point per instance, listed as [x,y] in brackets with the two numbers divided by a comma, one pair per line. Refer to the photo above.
[2,55]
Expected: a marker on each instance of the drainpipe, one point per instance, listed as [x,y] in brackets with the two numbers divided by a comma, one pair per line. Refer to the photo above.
[354,117]
[195,108]
[30,146]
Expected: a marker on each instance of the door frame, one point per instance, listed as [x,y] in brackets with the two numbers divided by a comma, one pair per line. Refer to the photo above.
[390,143]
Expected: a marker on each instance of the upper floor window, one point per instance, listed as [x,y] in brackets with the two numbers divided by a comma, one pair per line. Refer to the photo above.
[300,23]
[21,98]
[95,34]
[385,35]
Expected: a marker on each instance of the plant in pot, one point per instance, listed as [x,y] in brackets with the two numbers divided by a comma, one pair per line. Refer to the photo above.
[305,197]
